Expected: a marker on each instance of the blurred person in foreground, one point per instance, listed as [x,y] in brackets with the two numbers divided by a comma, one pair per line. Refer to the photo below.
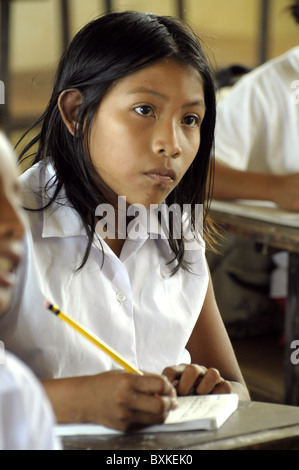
[26,416]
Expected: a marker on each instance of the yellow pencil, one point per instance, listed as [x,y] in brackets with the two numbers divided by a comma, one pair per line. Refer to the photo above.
[100,344]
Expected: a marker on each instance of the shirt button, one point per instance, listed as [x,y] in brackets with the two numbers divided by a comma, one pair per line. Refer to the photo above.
[121,296]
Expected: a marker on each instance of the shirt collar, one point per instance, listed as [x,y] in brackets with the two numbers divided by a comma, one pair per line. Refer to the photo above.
[61,220]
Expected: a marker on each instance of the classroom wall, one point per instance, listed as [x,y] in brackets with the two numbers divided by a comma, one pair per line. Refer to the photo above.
[230,27]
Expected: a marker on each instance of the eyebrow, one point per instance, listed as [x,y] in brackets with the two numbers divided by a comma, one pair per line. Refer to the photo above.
[199,102]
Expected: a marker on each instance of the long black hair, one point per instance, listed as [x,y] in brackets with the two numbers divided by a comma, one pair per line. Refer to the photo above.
[105,50]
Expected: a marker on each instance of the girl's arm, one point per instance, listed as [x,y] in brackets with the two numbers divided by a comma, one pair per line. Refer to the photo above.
[214,368]
[237,184]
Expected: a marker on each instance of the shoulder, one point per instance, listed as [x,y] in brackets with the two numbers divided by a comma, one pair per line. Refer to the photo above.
[34,173]
[290,56]
[262,88]
[33,182]
[280,69]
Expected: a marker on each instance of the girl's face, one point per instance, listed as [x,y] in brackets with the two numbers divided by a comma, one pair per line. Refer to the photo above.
[146,131]
[11,226]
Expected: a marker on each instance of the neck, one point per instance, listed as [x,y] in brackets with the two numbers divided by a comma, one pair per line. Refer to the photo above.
[115,245]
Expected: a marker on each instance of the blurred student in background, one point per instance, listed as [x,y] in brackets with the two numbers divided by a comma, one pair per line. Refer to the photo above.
[257,157]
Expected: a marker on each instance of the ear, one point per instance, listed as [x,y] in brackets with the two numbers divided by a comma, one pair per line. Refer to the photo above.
[68,104]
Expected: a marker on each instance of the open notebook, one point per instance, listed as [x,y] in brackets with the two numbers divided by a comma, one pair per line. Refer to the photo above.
[200,412]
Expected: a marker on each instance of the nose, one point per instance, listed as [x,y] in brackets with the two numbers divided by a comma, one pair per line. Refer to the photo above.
[11,224]
[166,139]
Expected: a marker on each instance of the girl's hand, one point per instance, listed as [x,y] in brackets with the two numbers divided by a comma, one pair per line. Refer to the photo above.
[125,401]
[192,379]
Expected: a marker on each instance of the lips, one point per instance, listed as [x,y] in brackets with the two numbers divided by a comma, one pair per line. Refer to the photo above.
[162,175]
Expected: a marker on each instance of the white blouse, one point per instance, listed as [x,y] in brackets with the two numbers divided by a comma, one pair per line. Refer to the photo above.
[130,302]
[258,121]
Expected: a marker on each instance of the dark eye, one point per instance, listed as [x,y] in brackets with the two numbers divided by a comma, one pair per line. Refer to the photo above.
[144,110]
[191,120]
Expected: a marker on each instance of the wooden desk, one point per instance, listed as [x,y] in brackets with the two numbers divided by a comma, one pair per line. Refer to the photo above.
[282,237]
[254,425]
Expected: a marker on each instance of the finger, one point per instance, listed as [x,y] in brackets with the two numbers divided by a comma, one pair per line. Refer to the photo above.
[211,379]
[138,418]
[154,385]
[143,410]
[175,383]
[173,373]
[140,411]
[191,375]
[137,401]
[223,387]
[158,405]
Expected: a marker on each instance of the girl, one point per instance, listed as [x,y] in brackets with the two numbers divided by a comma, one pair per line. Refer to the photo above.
[131,120]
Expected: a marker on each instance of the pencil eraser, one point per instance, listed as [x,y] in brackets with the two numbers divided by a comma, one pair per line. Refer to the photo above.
[47,304]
